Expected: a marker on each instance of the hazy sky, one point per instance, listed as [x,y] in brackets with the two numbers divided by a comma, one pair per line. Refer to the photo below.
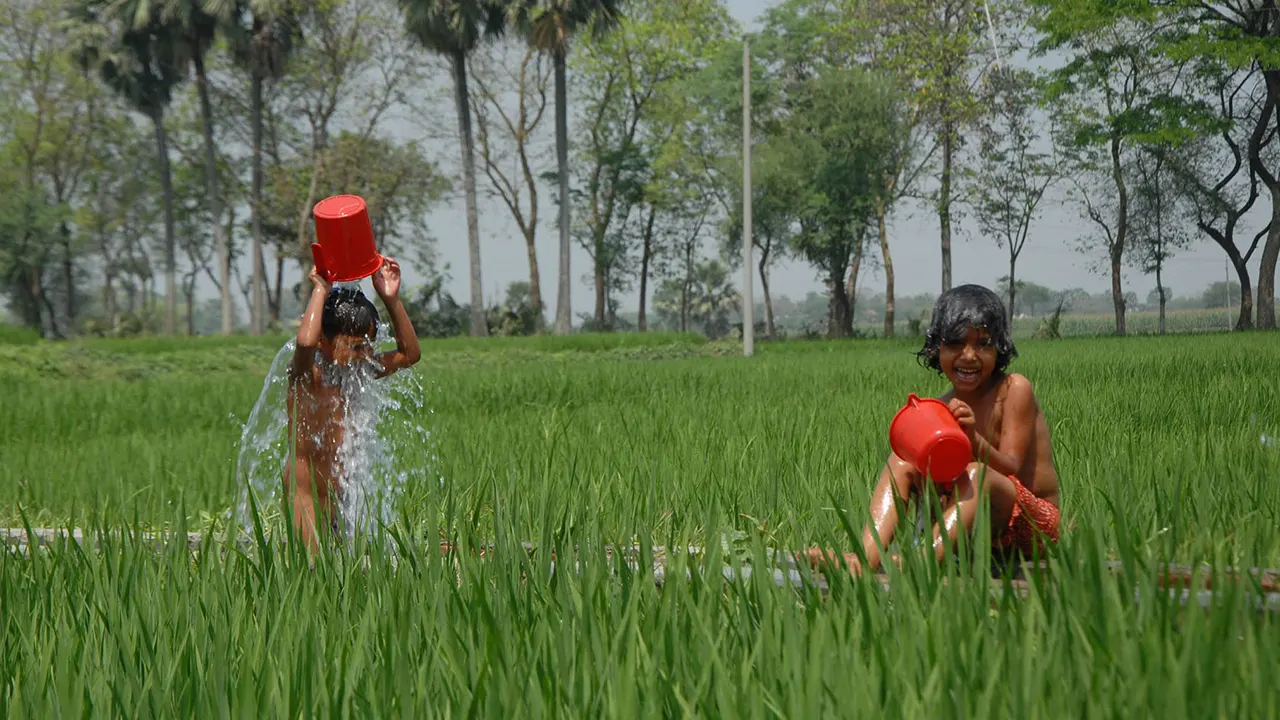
[1050,256]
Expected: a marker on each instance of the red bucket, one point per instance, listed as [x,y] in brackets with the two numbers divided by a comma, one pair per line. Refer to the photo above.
[344,250]
[926,434]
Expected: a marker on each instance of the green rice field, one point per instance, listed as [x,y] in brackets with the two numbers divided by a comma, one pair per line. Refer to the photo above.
[1164,445]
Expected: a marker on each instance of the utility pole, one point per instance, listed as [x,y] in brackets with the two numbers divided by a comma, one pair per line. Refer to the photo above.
[748,301]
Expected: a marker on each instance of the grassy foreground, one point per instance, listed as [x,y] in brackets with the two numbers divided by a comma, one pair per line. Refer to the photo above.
[1160,445]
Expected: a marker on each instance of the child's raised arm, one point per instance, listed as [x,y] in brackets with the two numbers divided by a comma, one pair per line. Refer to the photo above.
[304,355]
[407,352]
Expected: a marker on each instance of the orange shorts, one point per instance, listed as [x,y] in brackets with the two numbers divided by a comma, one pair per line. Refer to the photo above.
[1033,518]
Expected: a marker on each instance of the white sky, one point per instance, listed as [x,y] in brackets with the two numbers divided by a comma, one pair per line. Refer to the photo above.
[1049,258]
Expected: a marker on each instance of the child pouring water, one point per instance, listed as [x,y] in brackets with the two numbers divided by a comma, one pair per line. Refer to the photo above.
[1012,476]
[335,343]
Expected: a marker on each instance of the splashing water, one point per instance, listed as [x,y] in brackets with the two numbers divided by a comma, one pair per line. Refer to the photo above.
[385,446]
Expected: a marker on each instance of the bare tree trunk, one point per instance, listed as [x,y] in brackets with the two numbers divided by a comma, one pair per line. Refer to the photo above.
[278,304]
[68,279]
[258,313]
[214,193]
[851,285]
[646,256]
[479,325]
[944,202]
[598,275]
[770,329]
[109,298]
[841,321]
[1267,267]
[563,317]
[686,286]
[190,292]
[1122,230]
[1013,287]
[170,242]
[31,315]
[1244,321]
[1160,292]
[888,269]
[49,312]
[1117,293]
[535,280]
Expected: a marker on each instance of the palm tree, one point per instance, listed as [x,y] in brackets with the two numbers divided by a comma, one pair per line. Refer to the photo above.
[199,22]
[195,24]
[262,48]
[143,63]
[453,28]
[549,25]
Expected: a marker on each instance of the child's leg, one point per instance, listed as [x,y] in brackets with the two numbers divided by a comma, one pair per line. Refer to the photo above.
[898,481]
[311,494]
[980,487]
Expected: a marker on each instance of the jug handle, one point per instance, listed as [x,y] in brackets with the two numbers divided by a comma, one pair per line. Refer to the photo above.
[317,254]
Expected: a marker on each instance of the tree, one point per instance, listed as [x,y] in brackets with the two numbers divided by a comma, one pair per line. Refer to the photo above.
[355,65]
[1235,34]
[1115,94]
[1158,221]
[1013,175]
[706,299]
[845,127]
[1220,294]
[195,24]
[777,188]
[453,28]
[51,118]
[1210,173]
[700,171]
[200,26]
[118,209]
[143,63]
[398,181]
[549,25]
[507,138]
[262,47]
[1241,34]
[938,50]
[633,79]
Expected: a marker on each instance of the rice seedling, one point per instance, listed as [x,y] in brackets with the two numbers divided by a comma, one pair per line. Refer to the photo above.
[1160,445]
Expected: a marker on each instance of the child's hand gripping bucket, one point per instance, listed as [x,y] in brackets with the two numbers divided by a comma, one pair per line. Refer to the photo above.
[925,434]
[344,250]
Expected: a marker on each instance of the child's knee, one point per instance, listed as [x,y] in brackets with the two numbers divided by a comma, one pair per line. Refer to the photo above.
[900,466]
[995,485]
[902,470]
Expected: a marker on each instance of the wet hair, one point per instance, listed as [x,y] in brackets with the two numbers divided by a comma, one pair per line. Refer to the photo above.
[953,313]
[348,312]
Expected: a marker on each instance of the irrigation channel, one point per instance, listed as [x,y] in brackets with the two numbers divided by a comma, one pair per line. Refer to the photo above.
[1189,585]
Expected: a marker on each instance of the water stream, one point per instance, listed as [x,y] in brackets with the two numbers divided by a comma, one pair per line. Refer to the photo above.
[386,447]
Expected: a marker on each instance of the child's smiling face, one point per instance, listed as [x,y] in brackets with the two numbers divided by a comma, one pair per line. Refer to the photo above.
[969,361]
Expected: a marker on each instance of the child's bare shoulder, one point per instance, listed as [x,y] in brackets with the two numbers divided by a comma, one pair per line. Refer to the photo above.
[1018,386]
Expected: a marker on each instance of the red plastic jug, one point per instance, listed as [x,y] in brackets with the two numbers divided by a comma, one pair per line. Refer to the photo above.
[344,250]
[925,434]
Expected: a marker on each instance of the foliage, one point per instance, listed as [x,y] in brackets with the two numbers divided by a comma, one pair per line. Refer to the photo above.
[845,127]
[1014,173]
[564,453]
